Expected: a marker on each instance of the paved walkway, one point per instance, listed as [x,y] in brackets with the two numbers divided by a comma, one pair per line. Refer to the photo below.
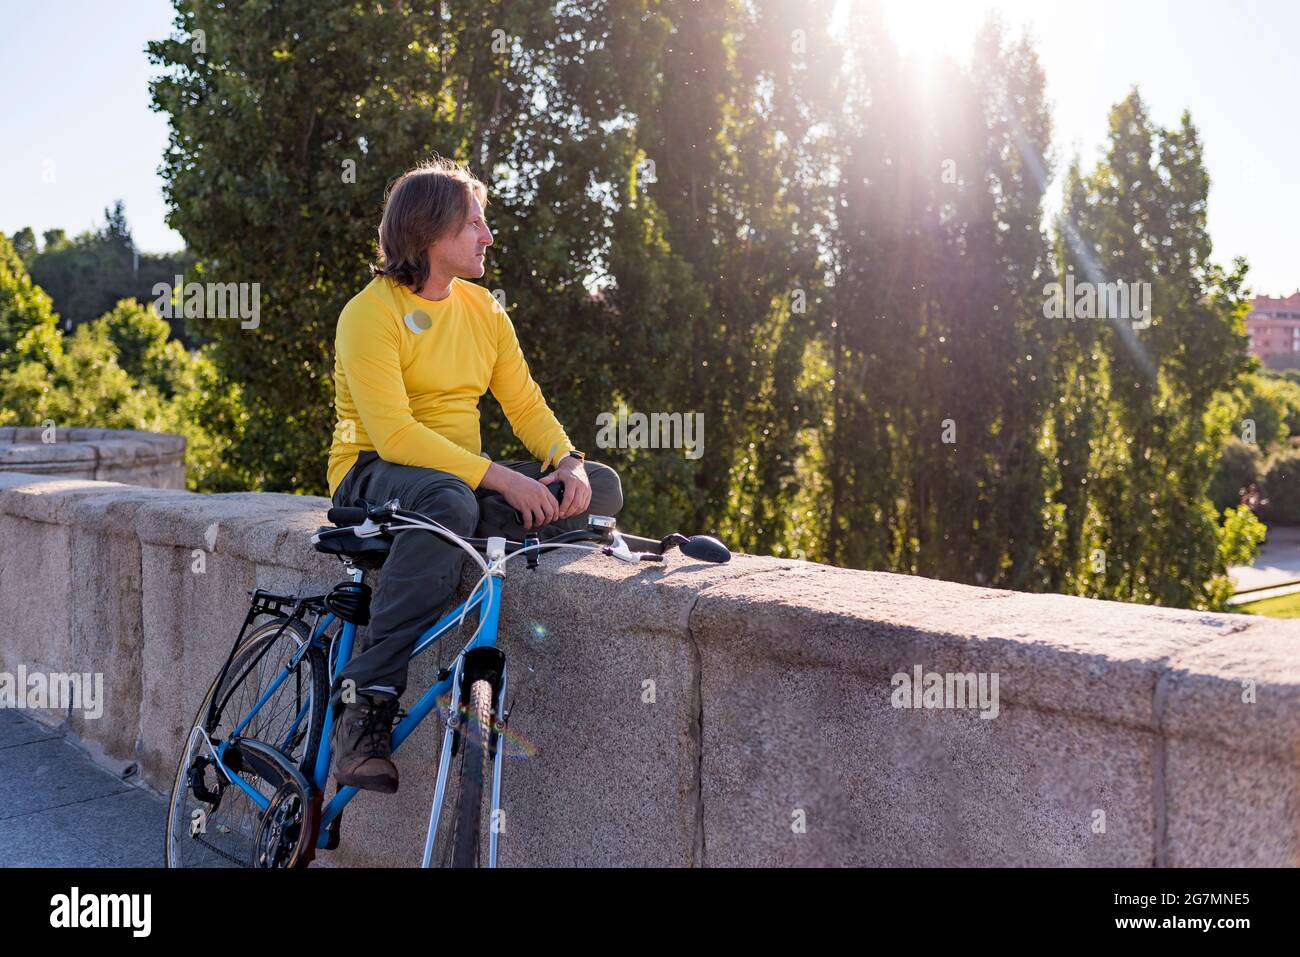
[1278,563]
[60,809]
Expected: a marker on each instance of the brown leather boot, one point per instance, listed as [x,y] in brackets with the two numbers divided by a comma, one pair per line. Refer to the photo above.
[363,743]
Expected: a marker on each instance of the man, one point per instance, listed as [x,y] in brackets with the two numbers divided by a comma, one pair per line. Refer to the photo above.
[415,351]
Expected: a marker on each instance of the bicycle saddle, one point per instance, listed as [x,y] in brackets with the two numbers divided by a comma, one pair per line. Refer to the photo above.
[339,539]
[366,552]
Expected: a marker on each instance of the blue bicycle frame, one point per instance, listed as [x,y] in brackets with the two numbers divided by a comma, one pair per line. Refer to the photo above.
[487,601]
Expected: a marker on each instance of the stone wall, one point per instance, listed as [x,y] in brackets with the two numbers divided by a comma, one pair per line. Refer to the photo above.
[691,714]
[152,459]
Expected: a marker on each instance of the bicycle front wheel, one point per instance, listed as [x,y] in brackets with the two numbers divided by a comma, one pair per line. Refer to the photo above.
[465,840]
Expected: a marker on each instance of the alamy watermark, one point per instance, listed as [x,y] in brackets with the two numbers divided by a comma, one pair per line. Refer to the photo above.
[658,430]
[129,911]
[1127,301]
[54,691]
[934,689]
[210,300]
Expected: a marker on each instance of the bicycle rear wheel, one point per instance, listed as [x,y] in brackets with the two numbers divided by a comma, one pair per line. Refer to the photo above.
[212,822]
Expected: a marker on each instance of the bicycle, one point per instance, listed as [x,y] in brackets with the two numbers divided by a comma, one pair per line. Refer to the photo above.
[250,786]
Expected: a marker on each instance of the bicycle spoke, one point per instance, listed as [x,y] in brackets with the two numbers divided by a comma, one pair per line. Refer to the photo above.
[230,829]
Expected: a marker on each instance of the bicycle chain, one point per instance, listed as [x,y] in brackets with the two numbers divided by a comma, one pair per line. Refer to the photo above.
[230,857]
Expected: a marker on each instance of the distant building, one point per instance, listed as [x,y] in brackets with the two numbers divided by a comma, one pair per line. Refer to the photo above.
[1273,326]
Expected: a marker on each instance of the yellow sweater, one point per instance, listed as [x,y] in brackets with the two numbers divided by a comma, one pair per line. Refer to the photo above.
[408,375]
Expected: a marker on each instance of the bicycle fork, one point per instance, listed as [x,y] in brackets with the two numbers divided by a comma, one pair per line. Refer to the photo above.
[496,821]
[496,742]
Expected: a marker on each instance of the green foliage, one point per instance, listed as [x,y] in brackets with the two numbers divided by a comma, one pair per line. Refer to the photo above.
[843,272]
[1239,468]
[119,371]
[88,275]
[1134,453]
[76,381]
[708,261]
[558,119]
[24,243]
[1239,541]
[1263,409]
[341,98]
[1286,375]
[1242,535]
[141,342]
[928,380]
[1281,489]
[24,307]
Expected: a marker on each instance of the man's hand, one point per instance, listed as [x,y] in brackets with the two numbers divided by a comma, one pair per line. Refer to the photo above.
[577,487]
[530,497]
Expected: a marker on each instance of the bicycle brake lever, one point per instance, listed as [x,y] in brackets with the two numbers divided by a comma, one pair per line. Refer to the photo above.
[368,529]
[618,548]
[669,542]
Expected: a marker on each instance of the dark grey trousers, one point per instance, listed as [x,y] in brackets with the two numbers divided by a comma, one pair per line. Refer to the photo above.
[422,570]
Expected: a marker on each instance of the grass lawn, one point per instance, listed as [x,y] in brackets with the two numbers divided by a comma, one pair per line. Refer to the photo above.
[1284,606]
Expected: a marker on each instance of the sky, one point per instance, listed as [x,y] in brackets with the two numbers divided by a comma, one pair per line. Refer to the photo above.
[1232,63]
[74,104]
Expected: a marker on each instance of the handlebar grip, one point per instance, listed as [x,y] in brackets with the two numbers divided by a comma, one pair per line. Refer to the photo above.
[556,489]
[346,516]
[638,544]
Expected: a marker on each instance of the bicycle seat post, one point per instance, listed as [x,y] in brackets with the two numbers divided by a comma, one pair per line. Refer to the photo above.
[353,572]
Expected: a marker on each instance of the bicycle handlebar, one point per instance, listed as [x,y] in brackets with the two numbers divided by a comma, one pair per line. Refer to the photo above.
[346,516]
[620,544]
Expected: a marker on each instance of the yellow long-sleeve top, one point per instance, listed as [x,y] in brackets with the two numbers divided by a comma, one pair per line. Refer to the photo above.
[409,373]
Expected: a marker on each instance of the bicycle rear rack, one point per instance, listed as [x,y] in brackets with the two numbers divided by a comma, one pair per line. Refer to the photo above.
[288,607]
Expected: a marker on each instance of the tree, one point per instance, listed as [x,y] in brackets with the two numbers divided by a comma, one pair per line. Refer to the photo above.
[1281,488]
[88,275]
[24,243]
[929,378]
[1239,467]
[25,309]
[116,231]
[120,371]
[527,99]
[713,308]
[722,209]
[1139,446]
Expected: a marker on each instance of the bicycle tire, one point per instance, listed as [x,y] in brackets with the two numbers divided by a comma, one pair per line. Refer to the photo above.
[469,801]
[300,754]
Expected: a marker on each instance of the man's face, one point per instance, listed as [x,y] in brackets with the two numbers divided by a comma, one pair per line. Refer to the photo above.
[462,252]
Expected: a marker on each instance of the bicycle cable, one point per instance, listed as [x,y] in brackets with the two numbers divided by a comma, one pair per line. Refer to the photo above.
[487,571]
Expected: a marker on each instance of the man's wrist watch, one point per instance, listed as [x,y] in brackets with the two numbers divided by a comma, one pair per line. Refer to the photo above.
[580,456]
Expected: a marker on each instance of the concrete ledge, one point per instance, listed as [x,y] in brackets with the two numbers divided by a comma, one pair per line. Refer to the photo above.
[690,714]
[152,459]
